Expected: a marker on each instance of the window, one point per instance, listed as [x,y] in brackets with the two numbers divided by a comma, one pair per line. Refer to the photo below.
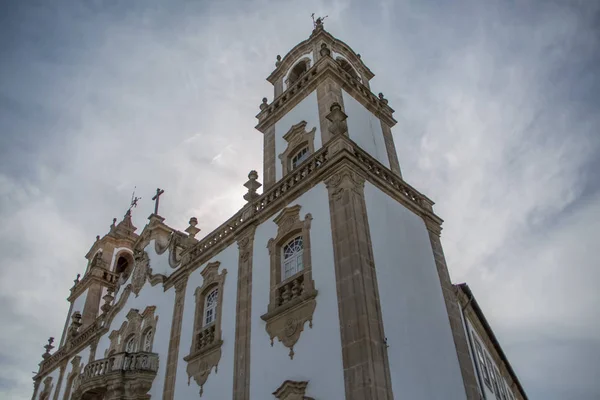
[501,386]
[297,71]
[130,344]
[292,258]
[292,289]
[147,343]
[300,146]
[492,376]
[210,306]
[482,366]
[346,66]
[299,157]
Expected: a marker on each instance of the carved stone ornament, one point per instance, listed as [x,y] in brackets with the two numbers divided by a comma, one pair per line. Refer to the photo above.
[140,273]
[135,334]
[297,138]
[205,351]
[337,118]
[292,301]
[72,377]
[292,390]
[343,181]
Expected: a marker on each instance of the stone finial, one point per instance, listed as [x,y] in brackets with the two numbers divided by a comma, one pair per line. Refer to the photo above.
[252,185]
[192,230]
[278,62]
[264,104]
[76,280]
[75,324]
[382,99]
[324,50]
[48,348]
[97,237]
[358,55]
[337,118]
[108,298]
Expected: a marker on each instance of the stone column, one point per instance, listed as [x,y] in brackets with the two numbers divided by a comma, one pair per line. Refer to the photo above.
[173,355]
[269,158]
[241,366]
[364,351]
[458,332]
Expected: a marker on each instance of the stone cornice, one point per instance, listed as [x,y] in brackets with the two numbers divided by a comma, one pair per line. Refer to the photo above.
[98,275]
[308,45]
[326,67]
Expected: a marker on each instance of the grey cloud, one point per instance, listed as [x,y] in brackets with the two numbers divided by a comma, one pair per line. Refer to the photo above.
[496,106]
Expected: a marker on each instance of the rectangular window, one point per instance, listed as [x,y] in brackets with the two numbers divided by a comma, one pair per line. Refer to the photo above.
[300,157]
[492,376]
[501,386]
[481,360]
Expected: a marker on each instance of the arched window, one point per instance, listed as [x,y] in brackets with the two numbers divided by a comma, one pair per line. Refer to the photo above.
[130,344]
[210,306]
[346,66]
[292,258]
[122,264]
[300,156]
[147,340]
[296,72]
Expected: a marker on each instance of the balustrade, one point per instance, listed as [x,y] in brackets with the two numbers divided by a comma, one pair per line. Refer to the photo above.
[289,290]
[118,363]
[205,338]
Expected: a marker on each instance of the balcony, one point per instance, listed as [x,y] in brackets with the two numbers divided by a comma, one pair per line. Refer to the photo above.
[123,375]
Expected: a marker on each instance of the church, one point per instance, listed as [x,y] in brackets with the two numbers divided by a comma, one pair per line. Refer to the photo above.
[330,284]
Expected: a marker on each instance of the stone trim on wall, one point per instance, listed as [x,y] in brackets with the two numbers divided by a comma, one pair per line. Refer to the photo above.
[205,350]
[72,376]
[328,93]
[364,349]
[291,301]
[388,139]
[269,157]
[243,322]
[175,337]
[454,316]
[292,390]
[136,326]
[297,138]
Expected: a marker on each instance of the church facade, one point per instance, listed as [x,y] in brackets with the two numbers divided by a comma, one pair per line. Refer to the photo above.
[331,284]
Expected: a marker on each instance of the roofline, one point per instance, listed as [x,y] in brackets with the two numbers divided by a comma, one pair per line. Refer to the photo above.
[488,329]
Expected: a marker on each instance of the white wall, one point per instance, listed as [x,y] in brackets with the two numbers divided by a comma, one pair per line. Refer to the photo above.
[219,384]
[54,374]
[364,128]
[148,296]
[307,110]
[79,303]
[318,352]
[422,355]
[158,262]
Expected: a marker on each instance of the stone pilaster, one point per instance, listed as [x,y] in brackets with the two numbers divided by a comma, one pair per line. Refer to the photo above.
[92,304]
[391,149]
[364,351]
[173,355]
[241,366]
[59,382]
[269,158]
[328,92]
[458,332]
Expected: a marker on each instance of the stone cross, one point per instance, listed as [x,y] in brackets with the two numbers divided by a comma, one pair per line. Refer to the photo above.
[156,198]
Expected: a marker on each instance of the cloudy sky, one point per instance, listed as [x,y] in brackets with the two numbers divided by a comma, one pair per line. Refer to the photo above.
[497,108]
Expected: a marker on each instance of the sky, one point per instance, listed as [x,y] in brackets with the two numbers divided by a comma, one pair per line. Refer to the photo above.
[497,107]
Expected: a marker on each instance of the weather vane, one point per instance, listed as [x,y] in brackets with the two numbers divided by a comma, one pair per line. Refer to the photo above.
[319,21]
[134,199]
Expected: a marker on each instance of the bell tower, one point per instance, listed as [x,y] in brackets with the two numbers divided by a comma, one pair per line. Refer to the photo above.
[321,88]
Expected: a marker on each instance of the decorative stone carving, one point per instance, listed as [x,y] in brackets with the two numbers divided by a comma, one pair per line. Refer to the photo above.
[292,390]
[205,352]
[45,394]
[324,50]
[72,377]
[337,118]
[134,332]
[75,324]
[252,185]
[345,180]
[297,138]
[291,301]
[140,273]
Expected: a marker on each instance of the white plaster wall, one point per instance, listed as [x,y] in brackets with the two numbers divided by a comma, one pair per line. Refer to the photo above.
[114,256]
[148,296]
[307,110]
[308,55]
[422,355]
[364,128]
[318,352]
[79,303]
[158,262]
[219,384]
[54,374]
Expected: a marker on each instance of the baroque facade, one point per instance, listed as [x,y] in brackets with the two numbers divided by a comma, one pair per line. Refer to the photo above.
[331,284]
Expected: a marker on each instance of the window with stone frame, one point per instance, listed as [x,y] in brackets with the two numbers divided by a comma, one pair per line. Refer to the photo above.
[300,146]
[130,344]
[346,66]
[492,376]
[292,289]
[501,385]
[135,334]
[481,360]
[297,71]
[147,340]
[205,350]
